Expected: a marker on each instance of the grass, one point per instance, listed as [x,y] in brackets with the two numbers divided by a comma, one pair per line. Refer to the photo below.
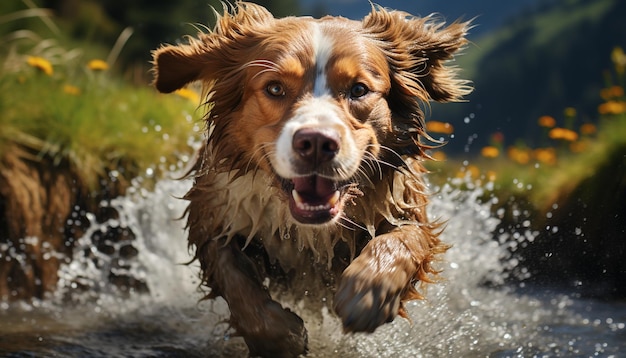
[567,158]
[543,182]
[64,107]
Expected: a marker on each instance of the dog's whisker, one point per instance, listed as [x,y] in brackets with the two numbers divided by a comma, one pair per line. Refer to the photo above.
[265,63]
[363,175]
[252,158]
[349,221]
[340,223]
[371,160]
[395,154]
[263,71]
[269,65]
[388,150]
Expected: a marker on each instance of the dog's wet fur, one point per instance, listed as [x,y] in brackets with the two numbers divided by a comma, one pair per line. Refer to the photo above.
[311,170]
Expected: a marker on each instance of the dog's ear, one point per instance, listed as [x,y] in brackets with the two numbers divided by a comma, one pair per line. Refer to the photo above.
[175,66]
[417,50]
[211,55]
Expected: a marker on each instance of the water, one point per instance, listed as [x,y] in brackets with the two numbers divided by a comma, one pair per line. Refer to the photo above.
[473,313]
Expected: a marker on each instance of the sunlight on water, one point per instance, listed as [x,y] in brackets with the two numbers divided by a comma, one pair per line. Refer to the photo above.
[472,313]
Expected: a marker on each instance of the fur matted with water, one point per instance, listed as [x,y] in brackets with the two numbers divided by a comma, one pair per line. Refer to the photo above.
[311,171]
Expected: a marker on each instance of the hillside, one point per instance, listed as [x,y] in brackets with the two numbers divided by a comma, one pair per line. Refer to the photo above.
[538,64]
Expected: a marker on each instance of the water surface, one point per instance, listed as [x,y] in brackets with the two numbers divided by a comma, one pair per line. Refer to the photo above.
[475,312]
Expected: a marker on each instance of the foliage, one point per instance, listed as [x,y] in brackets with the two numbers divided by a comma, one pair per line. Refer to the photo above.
[62,104]
[565,157]
[152,22]
[538,63]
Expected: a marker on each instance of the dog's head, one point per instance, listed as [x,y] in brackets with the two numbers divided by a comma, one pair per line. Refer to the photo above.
[318,105]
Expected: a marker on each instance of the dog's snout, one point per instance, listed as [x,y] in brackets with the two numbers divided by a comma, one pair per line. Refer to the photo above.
[316,146]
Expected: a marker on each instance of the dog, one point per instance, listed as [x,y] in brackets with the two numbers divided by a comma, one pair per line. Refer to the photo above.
[311,171]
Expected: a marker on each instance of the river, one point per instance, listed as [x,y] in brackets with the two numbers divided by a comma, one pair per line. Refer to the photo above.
[475,312]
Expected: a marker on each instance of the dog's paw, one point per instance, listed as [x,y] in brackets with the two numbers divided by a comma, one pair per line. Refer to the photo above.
[367,298]
[283,334]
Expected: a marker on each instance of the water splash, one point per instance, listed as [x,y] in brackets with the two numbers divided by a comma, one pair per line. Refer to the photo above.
[472,313]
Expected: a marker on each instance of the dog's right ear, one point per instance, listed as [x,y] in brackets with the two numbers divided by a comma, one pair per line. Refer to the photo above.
[176,66]
[211,55]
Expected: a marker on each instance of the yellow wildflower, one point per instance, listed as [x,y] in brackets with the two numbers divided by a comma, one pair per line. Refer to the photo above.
[612,107]
[545,155]
[439,127]
[612,92]
[41,64]
[578,146]
[489,152]
[473,171]
[491,175]
[547,121]
[97,65]
[519,155]
[563,134]
[191,95]
[69,89]
[588,129]
[470,171]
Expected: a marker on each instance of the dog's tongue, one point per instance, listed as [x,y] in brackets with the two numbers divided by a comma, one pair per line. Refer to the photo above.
[314,188]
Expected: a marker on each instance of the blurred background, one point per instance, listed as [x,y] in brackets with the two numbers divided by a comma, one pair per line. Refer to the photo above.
[532,178]
[528,58]
[545,124]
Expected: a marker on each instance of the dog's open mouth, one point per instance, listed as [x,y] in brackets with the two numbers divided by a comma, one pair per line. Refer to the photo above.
[313,199]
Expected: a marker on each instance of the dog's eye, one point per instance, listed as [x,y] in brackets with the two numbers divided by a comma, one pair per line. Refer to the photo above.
[275,89]
[358,90]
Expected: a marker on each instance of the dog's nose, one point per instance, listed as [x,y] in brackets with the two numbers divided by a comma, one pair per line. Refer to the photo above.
[316,146]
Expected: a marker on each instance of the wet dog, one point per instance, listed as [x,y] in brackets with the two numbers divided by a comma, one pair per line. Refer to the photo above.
[311,170]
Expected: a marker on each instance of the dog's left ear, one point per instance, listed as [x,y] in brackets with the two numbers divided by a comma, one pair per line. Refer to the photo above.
[417,50]
[214,55]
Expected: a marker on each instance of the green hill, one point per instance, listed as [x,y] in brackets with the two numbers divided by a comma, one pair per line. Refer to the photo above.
[538,64]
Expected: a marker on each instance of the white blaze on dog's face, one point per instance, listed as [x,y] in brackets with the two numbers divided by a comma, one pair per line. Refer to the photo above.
[326,129]
[321,104]
[316,105]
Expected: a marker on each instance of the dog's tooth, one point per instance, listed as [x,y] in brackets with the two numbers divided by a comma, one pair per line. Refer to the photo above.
[302,205]
[334,199]
[296,197]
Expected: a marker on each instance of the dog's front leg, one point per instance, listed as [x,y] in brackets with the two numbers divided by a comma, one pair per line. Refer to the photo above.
[268,329]
[373,286]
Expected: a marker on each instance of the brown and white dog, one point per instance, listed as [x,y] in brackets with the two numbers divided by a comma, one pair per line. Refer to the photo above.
[311,169]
